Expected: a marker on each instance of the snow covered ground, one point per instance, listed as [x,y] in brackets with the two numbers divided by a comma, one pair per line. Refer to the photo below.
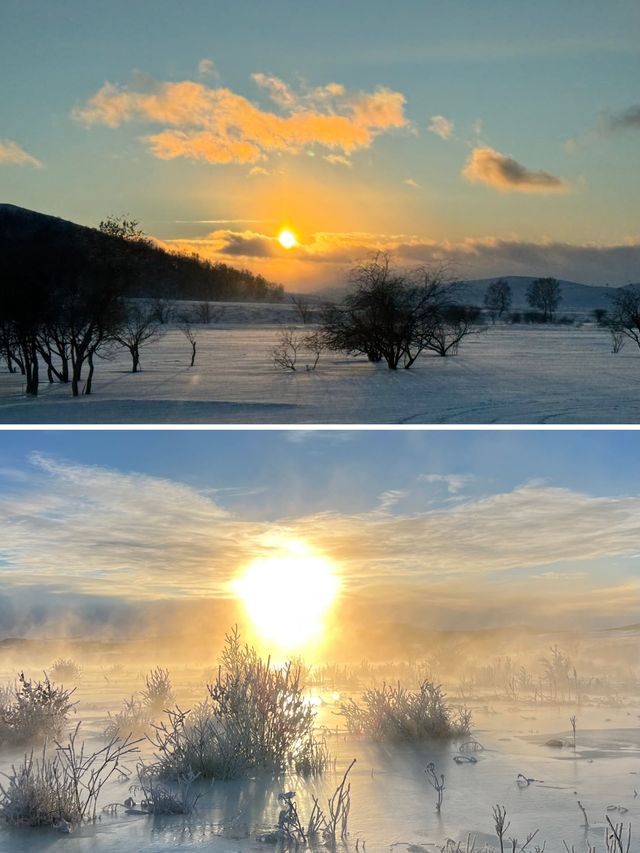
[507,374]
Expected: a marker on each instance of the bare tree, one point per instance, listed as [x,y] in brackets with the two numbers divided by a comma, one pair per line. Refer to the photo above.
[191,334]
[389,314]
[303,307]
[497,299]
[545,294]
[162,310]
[206,313]
[137,329]
[623,320]
[123,227]
[454,324]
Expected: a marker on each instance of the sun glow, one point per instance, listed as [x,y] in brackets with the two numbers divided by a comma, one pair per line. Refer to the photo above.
[287,239]
[288,597]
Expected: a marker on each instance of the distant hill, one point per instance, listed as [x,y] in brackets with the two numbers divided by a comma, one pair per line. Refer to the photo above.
[576,297]
[150,270]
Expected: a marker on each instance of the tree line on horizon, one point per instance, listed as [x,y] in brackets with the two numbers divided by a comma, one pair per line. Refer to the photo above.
[68,292]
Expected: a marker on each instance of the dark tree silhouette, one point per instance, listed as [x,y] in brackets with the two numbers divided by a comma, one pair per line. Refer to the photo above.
[545,294]
[137,328]
[624,317]
[191,334]
[389,315]
[497,299]
[455,322]
[304,308]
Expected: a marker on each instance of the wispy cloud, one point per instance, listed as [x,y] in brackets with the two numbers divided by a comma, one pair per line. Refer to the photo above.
[441,126]
[488,166]
[453,482]
[207,68]
[217,125]
[12,154]
[105,537]
[627,119]
[94,530]
[390,498]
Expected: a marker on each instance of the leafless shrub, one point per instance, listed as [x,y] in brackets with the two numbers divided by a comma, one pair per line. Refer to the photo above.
[437,783]
[615,837]
[618,338]
[501,824]
[285,352]
[584,814]
[61,789]
[330,826]
[395,713]
[32,711]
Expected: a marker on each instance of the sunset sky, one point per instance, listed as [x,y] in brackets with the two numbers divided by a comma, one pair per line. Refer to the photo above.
[501,136]
[437,530]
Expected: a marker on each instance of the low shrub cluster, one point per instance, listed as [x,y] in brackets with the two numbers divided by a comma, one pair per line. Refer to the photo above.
[255,716]
[138,712]
[65,669]
[61,788]
[32,711]
[395,713]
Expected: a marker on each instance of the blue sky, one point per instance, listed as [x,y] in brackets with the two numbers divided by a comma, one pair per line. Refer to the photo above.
[535,143]
[518,527]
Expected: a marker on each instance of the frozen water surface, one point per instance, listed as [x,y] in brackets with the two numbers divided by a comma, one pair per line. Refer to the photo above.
[392,802]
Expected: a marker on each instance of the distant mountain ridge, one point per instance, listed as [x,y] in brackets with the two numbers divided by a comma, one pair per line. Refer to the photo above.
[576,297]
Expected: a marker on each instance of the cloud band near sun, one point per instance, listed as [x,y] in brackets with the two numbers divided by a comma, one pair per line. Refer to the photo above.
[325,257]
[217,125]
[134,530]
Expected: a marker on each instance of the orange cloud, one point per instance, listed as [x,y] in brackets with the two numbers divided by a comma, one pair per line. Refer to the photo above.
[12,154]
[216,125]
[488,166]
[324,258]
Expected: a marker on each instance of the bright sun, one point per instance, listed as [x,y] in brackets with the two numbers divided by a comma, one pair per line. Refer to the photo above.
[287,239]
[287,597]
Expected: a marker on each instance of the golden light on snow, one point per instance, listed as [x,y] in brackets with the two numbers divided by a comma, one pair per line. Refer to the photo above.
[287,239]
[287,597]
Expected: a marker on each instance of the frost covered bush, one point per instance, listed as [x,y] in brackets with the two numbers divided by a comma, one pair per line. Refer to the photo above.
[61,788]
[255,716]
[132,719]
[32,711]
[158,692]
[65,669]
[139,711]
[395,713]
